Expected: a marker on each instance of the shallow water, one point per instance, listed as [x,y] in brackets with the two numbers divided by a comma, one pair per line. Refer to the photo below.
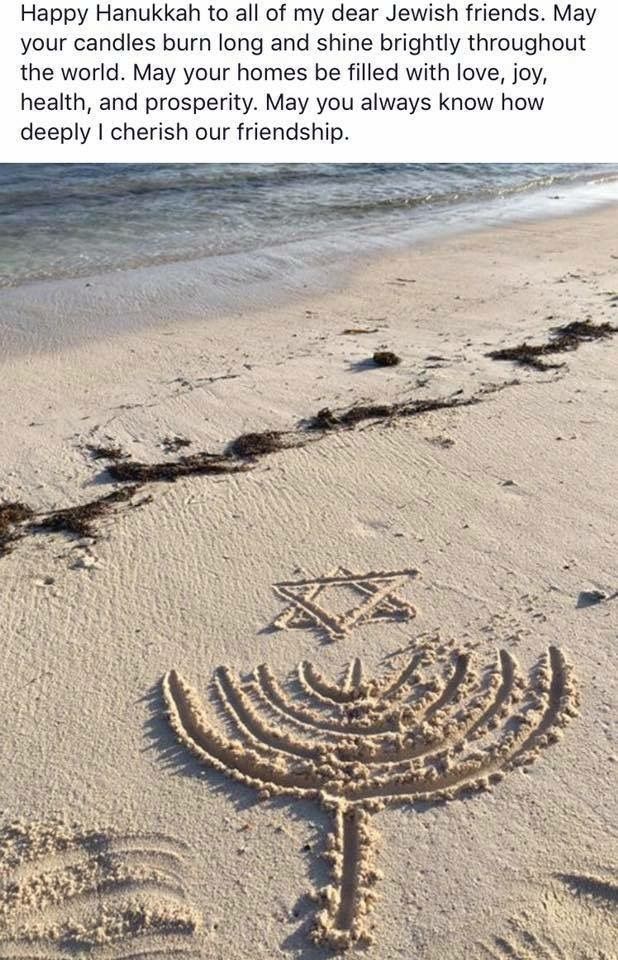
[75,220]
[94,251]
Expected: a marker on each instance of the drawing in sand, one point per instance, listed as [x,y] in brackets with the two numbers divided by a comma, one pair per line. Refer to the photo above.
[571,912]
[374,595]
[66,888]
[440,727]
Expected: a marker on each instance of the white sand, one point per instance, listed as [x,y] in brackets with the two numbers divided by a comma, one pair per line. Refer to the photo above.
[507,509]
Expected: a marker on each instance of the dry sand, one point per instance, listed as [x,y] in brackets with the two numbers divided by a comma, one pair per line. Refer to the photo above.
[414,551]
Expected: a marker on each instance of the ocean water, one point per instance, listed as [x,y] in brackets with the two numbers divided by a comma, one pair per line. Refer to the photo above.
[250,220]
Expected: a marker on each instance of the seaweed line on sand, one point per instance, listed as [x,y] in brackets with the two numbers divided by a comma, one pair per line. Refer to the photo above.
[18,520]
[563,339]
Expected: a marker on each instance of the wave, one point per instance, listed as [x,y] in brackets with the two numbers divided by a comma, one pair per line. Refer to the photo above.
[70,220]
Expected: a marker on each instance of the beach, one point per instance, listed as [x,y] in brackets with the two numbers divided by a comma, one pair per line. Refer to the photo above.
[473,513]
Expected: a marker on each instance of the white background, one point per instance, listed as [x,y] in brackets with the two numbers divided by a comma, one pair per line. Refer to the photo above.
[578,123]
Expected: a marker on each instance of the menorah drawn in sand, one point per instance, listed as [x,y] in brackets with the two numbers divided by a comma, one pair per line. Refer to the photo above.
[374,593]
[429,732]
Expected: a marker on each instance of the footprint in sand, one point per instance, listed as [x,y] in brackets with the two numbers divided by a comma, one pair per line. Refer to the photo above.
[66,890]
[575,918]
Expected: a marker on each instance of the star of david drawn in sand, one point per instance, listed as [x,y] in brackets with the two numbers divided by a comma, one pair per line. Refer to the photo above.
[378,601]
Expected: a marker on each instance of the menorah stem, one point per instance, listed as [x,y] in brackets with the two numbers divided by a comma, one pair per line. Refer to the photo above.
[351,850]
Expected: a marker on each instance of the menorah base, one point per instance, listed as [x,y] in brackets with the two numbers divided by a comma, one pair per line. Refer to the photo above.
[348,899]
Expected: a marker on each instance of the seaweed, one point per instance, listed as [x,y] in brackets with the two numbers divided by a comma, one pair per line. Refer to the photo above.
[350,331]
[415,407]
[327,419]
[386,358]
[13,513]
[202,463]
[582,331]
[79,520]
[253,445]
[324,419]
[106,453]
[12,516]
[175,443]
[563,339]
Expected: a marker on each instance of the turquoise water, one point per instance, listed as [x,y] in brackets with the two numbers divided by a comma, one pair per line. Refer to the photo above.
[76,220]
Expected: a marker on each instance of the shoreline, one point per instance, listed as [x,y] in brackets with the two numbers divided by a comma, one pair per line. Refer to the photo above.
[47,315]
[269,367]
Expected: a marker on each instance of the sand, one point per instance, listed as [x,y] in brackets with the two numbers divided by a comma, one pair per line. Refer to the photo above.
[357,694]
